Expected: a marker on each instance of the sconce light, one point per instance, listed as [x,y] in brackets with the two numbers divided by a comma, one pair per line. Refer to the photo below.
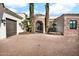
[3,21]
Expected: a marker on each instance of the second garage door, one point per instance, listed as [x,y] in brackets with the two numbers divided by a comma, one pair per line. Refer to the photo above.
[10,27]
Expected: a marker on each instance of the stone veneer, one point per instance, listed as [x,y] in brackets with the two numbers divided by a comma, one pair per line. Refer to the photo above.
[39,18]
[67,30]
[62,24]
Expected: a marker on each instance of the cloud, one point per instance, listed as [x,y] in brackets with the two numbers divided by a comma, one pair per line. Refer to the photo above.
[14,10]
[35,12]
[27,12]
[60,8]
[16,3]
[57,8]
[42,1]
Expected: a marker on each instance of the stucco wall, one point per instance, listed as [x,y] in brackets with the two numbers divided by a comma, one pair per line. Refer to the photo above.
[24,18]
[1,12]
[14,18]
[2,31]
[60,24]
[23,15]
[3,27]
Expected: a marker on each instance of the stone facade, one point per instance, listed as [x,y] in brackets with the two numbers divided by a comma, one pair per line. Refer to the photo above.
[40,18]
[67,30]
[63,25]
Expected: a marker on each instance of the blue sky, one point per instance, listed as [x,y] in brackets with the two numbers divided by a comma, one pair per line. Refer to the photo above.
[56,9]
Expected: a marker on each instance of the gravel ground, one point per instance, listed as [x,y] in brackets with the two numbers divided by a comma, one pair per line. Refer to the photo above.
[40,45]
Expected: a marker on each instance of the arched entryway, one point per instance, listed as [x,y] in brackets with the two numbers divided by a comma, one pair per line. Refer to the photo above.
[39,27]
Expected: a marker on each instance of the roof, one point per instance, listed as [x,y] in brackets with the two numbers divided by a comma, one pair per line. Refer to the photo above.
[53,17]
[68,14]
[12,13]
[71,14]
[39,15]
[22,13]
[6,10]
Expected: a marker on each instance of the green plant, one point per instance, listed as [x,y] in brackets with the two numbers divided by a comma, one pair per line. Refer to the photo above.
[25,25]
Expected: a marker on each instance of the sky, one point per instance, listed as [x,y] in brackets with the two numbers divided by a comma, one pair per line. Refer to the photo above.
[55,9]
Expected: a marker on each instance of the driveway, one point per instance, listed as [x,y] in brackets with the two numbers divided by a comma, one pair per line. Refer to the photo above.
[39,45]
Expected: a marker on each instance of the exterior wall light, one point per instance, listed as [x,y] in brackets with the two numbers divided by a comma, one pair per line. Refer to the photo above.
[3,21]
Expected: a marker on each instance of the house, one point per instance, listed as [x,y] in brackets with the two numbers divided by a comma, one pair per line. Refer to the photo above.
[9,22]
[67,24]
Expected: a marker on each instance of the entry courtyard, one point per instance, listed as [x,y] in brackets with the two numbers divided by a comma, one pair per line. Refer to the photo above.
[39,44]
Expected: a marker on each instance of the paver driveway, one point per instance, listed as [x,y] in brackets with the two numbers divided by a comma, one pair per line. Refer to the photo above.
[40,44]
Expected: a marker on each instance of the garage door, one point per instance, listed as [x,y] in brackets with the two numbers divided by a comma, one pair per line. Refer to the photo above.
[10,27]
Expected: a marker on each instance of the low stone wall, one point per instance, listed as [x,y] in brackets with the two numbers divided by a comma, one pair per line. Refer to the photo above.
[55,33]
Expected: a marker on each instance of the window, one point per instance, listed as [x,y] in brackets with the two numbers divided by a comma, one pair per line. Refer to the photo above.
[73,24]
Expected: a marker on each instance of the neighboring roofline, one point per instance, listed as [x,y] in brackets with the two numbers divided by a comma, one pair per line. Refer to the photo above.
[70,14]
[39,15]
[23,13]
[6,10]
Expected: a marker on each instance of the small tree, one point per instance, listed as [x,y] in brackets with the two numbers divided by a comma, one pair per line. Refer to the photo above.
[25,25]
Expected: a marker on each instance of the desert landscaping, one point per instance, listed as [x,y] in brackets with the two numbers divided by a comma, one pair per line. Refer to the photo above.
[39,44]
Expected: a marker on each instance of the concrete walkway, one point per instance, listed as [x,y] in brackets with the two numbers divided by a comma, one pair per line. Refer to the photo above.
[39,45]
